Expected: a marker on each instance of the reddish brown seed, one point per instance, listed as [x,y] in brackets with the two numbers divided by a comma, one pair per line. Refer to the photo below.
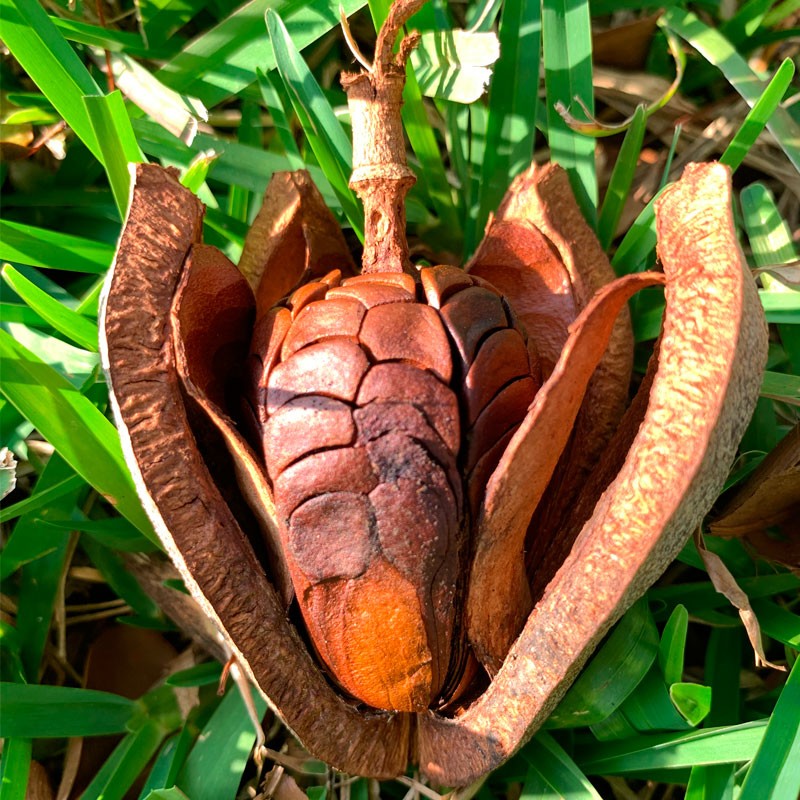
[339,470]
[506,410]
[303,425]
[413,527]
[379,419]
[323,320]
[330,536]
[372,293]
[332,278]
[469,315]
[333,368]
[308,293]
[502,358]
[265,347]
[395,670]
[483,469]
[388,278]
[404,383]
[397,456]
[413,333]
[440,283]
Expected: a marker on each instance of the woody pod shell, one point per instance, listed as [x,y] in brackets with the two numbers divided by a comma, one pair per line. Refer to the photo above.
[664,467]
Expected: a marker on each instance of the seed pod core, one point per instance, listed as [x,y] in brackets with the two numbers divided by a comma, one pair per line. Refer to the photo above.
[382,406]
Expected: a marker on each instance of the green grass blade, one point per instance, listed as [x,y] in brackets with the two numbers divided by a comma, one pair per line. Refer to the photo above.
[717,50]
[78,366]
[250,134]
[115,532]
[269,84]
[567,48]
[226,739]
[10,663]
[80,330]
[160,19]
[165,794]
[170,759]
[777,762]
[16,312]
[745,22]
[223,60]
[38,247]
[638,243]
[73,425]
[714,782]
[196,173]
[15,768]
[237,164]
[613,673]
[51,63]
[781,307]
[778,623]
[768,232]
[126,763]
[112,568]
[780,12]
[730,745]
[112,40]
[673,645]
[758,116]
[475,139]
[320,125]
[206,674]
[40,579]
[650,708]
[724,649]
[90,302]
[778,386]
[560,774]
[43,712]
[39,499]
[511,126]
[112,127]
[691,700]
[621,180]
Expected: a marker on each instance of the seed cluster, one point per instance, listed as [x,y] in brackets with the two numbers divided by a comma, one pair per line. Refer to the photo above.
[379,401]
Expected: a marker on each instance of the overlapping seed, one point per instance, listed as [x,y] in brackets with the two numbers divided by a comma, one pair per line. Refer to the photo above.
[377,412]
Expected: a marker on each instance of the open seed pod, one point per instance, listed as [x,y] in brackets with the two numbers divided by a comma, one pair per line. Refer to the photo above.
[411,502]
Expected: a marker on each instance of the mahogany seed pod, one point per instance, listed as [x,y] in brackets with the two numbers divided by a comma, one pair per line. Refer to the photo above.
[663,476]
[176,318]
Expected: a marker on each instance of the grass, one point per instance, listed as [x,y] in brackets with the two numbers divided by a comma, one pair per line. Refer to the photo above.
[671,705]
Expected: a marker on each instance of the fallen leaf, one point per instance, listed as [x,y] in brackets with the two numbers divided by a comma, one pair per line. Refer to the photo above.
[766,509]
[725,584]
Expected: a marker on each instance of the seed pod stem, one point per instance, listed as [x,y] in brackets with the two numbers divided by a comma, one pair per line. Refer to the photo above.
[381,176]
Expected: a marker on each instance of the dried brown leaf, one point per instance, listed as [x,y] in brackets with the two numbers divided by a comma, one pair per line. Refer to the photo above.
[725,584]
[766,509]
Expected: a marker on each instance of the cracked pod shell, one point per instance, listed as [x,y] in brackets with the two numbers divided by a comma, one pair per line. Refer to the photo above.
[664,467]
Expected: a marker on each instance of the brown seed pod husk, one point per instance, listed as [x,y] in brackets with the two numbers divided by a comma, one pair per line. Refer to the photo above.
[711,352]
[191,518]
[713,348]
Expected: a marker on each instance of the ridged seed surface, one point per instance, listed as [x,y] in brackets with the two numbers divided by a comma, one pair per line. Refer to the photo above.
[377,411]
